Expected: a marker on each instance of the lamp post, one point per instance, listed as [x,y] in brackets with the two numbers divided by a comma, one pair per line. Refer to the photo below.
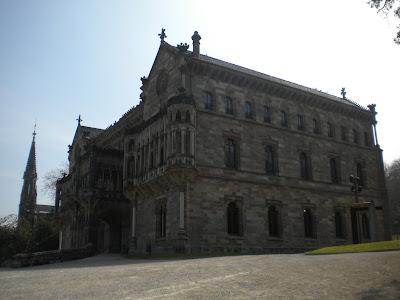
[356,188]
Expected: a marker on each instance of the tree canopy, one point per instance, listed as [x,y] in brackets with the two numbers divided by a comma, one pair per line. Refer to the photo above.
[386,6]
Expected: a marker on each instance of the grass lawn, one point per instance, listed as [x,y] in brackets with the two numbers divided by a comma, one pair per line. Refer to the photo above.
[355,248]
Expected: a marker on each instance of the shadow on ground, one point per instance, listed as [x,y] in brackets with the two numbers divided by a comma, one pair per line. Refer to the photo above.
[384,292]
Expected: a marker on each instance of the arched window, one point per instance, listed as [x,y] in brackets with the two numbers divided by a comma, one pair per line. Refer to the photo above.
[187,143]
[233,219]
[273,221]
[339,225]
[334,170]
[228,105]
[270,168]
[178,116]
[360,174]
[308,223]
[209,101]
[231,158]
[305,166]
[365,227]
[316,127]
[284,119]
[248,109]
[187,116]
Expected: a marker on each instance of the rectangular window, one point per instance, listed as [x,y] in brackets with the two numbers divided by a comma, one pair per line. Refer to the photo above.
[356,138]
[209,101]
[267,114]
[331,130]
[228,105]
[231,154]
[248,110]
[335,178]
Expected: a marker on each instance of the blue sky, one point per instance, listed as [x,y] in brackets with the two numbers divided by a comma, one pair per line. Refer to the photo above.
[59,59]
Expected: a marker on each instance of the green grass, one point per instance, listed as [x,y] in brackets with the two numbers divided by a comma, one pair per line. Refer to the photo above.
[356,248]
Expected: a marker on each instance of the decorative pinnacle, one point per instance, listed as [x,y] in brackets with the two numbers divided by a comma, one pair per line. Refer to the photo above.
[34,130]
[162,35]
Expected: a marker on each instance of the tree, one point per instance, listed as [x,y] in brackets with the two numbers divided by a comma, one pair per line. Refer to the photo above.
[51,177]
[385,6]
[13,239]
[393,187]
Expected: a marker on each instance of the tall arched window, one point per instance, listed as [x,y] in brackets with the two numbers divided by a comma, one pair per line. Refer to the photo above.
[284,118]
[366,139]
[334,170]
[365,227]
[187,143]
[270,167]
[360,174]
[316,127]
[300,122]
[233,219]
[228,105]
[273,221]
[305,166]
[248,110]
[331,130]
[231,158]
[343,133]
[356,138]
[161,220]
[178,116]
[161,155]
[209,101]
[178,139]
[308,223]
[187,116]
[339,225]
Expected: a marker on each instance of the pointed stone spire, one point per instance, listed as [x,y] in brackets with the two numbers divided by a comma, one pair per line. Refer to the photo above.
[29,193]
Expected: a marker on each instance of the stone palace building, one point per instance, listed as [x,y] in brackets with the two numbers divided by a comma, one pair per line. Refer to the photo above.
[217,157]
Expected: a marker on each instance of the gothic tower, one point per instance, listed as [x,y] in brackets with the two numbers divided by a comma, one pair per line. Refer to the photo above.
[28,194]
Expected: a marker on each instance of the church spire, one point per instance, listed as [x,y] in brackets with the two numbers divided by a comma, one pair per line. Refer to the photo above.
[28,194]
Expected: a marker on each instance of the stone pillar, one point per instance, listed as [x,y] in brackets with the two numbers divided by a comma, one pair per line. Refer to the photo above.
[192,143]
[181,210]
[60,236]
[133,234]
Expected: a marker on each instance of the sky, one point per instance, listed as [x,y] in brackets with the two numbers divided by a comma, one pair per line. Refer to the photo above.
[59,59]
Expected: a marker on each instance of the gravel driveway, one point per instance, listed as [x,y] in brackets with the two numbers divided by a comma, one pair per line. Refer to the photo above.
[342,276]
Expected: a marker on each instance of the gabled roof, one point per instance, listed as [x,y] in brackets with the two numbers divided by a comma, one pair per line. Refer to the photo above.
[237,68]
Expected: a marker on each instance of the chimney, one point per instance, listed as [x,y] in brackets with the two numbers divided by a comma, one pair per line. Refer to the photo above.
[196,44]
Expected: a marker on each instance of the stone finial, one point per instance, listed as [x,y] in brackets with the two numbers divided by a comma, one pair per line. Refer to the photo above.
[196,44]
[343,92]
[162,35]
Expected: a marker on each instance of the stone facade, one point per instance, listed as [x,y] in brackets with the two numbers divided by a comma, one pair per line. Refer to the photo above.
[217,157]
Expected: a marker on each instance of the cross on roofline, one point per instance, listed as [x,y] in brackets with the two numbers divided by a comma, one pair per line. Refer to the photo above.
[79,120]
[343,92]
